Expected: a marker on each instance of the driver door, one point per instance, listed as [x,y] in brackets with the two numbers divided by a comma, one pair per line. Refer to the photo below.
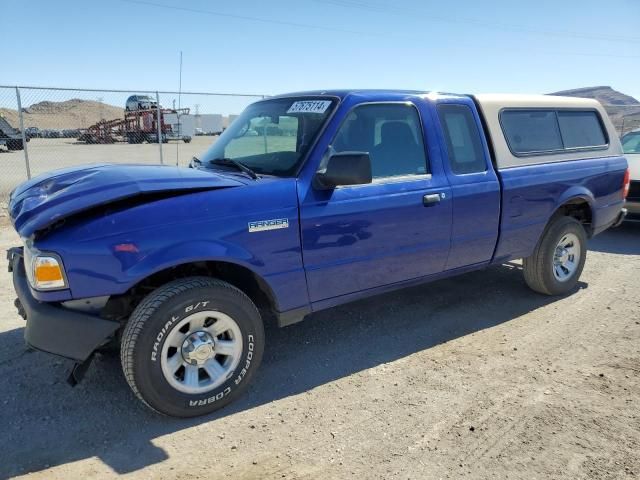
[395,229]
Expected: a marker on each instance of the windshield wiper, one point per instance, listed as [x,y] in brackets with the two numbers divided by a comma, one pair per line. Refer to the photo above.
[195,162]
[236,164]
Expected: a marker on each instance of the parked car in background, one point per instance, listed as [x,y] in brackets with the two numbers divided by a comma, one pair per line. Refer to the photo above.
[9,136]
[631,148]
[140,102]
[32,132]
[171,136]
[49,133]
[70,133]
[375,190]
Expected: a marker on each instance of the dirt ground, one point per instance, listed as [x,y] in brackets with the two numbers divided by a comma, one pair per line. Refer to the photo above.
[472,377]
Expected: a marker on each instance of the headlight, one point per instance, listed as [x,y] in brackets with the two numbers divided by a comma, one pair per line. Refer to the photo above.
[44,270]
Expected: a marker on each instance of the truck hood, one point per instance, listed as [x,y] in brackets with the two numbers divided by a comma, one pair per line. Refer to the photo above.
[47,199]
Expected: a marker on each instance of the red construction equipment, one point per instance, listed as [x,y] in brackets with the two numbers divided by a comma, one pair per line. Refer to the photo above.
[138,126]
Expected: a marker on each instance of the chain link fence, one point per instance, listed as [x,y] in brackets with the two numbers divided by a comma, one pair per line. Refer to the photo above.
[625,118]
[43,129]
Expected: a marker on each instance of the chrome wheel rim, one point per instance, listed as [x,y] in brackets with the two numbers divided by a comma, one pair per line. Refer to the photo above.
[566,257]
[201,352]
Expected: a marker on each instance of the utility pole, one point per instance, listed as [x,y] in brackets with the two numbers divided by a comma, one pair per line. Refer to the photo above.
[179,106]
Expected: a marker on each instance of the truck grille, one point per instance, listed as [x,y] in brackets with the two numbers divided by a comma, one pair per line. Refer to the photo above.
[634,191]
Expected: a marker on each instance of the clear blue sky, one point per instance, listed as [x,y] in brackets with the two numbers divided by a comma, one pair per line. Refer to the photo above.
[454,45]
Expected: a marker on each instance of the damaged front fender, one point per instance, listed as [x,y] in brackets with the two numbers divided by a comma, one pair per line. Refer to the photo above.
[48,199]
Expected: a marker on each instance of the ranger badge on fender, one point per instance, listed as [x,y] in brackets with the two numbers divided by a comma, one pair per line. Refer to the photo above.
[264,225]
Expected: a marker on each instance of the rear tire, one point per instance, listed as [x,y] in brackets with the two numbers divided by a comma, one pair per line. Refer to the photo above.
[192,346]
[555,266]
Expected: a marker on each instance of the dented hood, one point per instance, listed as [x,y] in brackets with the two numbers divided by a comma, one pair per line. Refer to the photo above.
[48,198]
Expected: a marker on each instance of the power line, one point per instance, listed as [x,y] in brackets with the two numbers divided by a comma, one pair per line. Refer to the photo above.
[428,16]
[340,30]
[250,18]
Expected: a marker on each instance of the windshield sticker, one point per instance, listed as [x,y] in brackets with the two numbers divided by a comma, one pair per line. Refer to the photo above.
[309,106]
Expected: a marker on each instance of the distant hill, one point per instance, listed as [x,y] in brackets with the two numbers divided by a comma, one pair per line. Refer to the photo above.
[624,110]
[605,95]
[74,113]
[70,114]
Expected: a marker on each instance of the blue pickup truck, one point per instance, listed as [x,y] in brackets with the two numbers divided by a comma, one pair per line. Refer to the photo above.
[307,201]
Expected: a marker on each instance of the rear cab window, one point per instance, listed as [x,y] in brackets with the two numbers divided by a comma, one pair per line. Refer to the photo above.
[541,130]
[464,145]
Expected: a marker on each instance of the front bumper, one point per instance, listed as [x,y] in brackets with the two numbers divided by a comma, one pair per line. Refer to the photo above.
[52,328]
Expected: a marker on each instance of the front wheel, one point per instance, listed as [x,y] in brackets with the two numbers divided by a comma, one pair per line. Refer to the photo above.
[558,259]
[192,346]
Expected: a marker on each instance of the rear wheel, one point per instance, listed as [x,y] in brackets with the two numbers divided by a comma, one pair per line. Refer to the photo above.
[558,259]
[192,346]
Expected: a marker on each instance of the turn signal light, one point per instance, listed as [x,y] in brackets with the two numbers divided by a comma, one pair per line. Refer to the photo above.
[47,273]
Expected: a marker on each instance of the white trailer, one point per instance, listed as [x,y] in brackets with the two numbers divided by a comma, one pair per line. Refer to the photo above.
[185,125]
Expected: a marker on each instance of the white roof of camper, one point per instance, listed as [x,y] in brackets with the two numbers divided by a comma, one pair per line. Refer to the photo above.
[527,100]
[492,104]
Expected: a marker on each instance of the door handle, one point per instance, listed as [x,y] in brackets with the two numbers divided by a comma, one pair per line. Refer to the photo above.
[431,199]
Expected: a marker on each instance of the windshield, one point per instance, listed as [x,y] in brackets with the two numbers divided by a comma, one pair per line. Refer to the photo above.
[631,143]
[271,137]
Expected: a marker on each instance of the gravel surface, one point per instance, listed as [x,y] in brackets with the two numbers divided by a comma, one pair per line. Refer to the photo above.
[473,377]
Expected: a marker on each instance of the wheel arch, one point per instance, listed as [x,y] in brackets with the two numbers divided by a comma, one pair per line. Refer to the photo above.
[579,205]
[236,274]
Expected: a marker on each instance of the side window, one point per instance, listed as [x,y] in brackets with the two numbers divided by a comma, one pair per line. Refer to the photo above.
[539,131]
[530,131]
[390,133]
[466,154]
[581,129]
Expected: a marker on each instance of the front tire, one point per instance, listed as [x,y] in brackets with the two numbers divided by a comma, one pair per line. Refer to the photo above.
[556,264]
[192,346]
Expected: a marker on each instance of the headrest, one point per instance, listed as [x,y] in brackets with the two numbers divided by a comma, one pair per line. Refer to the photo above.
[396,132]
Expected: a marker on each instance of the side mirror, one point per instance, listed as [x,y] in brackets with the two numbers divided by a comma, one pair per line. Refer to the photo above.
[344,168]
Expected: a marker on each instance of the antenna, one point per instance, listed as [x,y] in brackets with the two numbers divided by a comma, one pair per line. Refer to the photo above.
[179,106]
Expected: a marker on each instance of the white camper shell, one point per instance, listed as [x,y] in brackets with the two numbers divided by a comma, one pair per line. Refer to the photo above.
[537,129]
